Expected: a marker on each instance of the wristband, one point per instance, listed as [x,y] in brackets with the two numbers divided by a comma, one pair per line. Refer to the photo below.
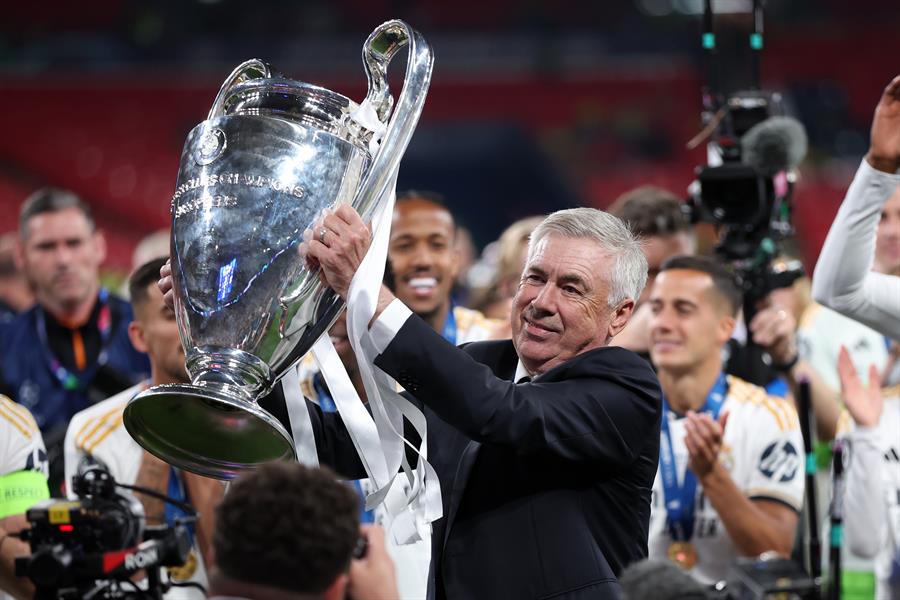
[19,491]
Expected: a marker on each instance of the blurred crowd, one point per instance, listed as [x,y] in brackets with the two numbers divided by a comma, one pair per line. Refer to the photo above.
[733,466]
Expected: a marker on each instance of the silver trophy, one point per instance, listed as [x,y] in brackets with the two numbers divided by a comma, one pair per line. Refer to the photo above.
[272,154]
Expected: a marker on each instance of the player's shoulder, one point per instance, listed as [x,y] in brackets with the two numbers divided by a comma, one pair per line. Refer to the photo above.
[751,405]
[473,326]
[16,418]
[95,423]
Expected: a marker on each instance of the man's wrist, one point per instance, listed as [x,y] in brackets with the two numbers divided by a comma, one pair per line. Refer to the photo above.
[885,164]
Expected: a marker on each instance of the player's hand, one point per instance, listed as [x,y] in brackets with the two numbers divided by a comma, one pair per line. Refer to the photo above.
[884,147]
[372,575]
[337,243]
[774,329]
[703,438]
[166,286]
[863,403]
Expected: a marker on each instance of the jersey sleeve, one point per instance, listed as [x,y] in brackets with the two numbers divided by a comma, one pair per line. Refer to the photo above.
[775,454]
[21,445]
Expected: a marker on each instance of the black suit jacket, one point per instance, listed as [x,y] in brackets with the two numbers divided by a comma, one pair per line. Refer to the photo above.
[545,485]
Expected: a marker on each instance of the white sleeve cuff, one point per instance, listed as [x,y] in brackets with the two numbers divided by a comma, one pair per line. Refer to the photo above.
[869,171]
[388,323]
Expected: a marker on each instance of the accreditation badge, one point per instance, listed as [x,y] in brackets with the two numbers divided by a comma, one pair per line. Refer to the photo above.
[185,571]
[683,554]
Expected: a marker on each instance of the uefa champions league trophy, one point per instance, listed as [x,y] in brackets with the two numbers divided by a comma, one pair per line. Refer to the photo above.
[272,154]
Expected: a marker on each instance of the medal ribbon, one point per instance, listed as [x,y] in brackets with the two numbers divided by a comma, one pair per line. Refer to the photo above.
[679,499]
[449,331]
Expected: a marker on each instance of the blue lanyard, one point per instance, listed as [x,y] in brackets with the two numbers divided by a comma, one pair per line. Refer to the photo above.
[77,380]
[449,332]
[680,499]
[175,491]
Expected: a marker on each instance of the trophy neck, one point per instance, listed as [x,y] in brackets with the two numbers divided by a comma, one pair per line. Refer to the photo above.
[229,369]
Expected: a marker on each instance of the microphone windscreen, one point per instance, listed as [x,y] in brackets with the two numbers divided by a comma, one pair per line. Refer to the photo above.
[655,579]
[773,145]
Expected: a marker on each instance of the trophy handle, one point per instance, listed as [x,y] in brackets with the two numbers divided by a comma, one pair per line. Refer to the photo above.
[380,47]
[249,69]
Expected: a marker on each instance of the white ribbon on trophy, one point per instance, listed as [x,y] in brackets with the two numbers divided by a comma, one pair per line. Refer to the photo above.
[377,436]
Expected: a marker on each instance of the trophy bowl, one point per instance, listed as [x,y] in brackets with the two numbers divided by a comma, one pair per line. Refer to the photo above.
[271,156]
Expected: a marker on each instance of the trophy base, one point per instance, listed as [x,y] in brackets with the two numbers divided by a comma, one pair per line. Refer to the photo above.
[205,430]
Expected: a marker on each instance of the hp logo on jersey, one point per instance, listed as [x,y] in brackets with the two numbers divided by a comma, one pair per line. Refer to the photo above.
[780,461]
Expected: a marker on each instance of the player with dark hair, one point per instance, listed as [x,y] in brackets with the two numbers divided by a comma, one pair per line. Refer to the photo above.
[286,531]
[720,491]
[97,434]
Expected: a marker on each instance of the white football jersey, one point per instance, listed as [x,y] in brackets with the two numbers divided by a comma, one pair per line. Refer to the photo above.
[98,434]
[872,486]
[762,450]
[21,445]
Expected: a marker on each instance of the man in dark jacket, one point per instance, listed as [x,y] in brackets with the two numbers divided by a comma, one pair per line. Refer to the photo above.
[546,446]
[71,349]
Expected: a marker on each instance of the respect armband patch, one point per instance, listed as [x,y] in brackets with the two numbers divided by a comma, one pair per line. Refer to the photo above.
[19,491]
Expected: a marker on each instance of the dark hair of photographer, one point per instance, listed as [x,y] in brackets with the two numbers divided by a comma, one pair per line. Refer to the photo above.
[651,211]
[285,530]
[723,279]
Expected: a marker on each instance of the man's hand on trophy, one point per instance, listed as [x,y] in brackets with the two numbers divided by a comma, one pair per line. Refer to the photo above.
[165,284]
[337,243]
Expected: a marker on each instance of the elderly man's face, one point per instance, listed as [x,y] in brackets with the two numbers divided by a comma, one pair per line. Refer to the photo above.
[560,309]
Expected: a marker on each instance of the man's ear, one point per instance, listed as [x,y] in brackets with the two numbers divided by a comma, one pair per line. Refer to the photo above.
[620,316]
[100,245]
[725,329]
[338,588]
[136,335]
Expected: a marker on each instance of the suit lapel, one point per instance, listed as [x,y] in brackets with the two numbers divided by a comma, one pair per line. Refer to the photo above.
[504,365]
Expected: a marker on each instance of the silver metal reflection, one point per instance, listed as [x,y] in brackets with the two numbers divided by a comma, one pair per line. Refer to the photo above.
[272,154]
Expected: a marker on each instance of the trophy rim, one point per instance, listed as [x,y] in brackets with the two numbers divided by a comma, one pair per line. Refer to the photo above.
[151,428]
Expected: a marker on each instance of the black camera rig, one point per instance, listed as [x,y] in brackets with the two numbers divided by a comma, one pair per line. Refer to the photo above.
[93,546]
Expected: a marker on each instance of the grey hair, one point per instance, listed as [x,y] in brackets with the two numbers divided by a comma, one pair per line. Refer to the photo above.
[629,271]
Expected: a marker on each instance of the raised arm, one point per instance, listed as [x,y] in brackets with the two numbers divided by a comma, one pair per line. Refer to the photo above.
[843,278]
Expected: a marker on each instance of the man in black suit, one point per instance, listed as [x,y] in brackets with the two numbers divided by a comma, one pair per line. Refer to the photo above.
[546,446]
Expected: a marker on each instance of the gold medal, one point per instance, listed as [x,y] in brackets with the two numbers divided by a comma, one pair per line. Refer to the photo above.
[185,571]
[683,554]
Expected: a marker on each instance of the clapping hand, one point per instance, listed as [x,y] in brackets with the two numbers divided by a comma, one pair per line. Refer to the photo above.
[864,403]
[703,438]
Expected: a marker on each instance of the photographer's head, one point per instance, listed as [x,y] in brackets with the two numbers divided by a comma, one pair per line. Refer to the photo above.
[694,302]
[655,215]
[154,329]
[285,531]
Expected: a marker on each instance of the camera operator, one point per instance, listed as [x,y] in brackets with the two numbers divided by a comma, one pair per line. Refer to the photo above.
[23,481]
[720,491]
[290,532]
[97,434]
[844,280]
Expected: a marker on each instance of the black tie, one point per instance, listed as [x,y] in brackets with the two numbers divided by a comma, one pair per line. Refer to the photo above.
[525,379]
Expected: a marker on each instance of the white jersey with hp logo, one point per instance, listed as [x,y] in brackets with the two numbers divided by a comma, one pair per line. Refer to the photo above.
[762,450]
